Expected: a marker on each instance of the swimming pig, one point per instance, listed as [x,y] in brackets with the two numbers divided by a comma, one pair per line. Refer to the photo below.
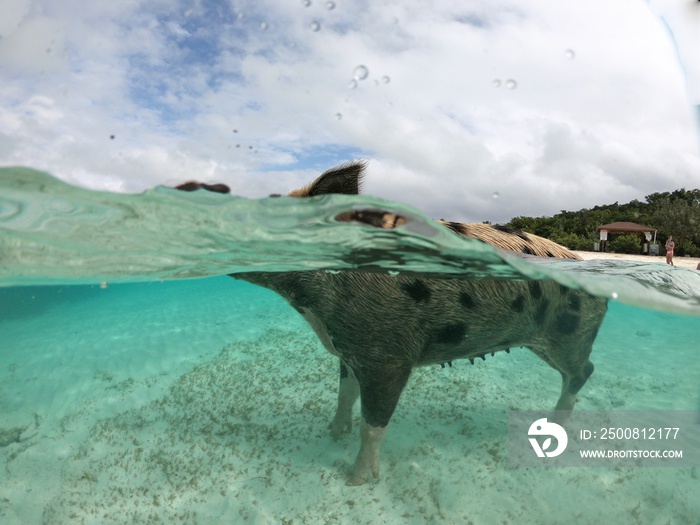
[382,326]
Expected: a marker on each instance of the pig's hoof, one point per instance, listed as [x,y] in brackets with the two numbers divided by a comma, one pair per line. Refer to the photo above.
[364,464]
[359,474]
[340,426]
[355,480]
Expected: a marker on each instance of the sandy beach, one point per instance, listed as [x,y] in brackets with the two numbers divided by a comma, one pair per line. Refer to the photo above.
[682,262]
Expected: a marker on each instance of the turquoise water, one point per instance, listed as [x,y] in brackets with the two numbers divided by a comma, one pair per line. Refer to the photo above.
[131,394]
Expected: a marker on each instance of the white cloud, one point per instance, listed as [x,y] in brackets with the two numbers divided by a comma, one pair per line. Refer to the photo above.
[599,111]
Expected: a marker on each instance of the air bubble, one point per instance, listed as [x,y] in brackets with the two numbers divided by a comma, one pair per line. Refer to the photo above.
[394,273]
[263,26]
[496,195]
[104,284]
[352,84]
[330,6]
[360,72]
[511,84]
[306,3]
[338,116]
[496,83]
[386,79]
[315,27]
[570,54]
[613,295]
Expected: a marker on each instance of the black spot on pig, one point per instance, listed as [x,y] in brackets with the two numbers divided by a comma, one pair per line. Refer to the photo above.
[457,227]
[518,304]
[541,312]
[535,289]
[417,290]
[513,231]
[466,300]
[451,334]
[567,322]
[575,303]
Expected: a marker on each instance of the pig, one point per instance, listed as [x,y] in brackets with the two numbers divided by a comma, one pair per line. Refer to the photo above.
[381,326]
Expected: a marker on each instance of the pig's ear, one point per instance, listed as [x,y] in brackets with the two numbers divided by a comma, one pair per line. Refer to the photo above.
[346,178]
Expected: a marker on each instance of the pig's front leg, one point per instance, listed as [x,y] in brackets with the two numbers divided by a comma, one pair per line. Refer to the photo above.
[381,385]
[368,457]
[348,392]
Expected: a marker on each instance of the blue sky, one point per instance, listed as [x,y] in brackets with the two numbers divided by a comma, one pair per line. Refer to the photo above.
[478,110]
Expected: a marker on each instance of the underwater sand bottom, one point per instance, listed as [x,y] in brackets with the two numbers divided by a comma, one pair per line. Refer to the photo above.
[240,436]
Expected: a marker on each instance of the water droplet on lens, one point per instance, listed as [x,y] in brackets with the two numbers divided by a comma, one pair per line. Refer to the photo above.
[496,83]
[570,54]
[360,72]
[352,84]
[511,84]
[315,27]
[496,195]
[386,79]
[263,26]
[330,6]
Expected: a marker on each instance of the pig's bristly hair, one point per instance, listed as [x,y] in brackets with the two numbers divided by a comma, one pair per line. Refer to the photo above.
[345,179]
[511,239]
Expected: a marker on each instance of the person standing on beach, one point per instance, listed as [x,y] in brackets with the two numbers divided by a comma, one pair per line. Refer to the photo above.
[670,245]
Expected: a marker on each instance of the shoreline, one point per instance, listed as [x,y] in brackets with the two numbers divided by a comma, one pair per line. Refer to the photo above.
[690,263]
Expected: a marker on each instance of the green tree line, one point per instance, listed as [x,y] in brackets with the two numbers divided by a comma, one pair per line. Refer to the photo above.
[674,213]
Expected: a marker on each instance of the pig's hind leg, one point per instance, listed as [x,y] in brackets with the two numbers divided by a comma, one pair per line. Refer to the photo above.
[348,392]
[573,380]
[575,369]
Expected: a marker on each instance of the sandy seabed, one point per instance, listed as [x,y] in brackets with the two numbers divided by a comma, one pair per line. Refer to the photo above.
[208,402]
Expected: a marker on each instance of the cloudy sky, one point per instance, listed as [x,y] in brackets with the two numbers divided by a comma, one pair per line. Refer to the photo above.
[468,110]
